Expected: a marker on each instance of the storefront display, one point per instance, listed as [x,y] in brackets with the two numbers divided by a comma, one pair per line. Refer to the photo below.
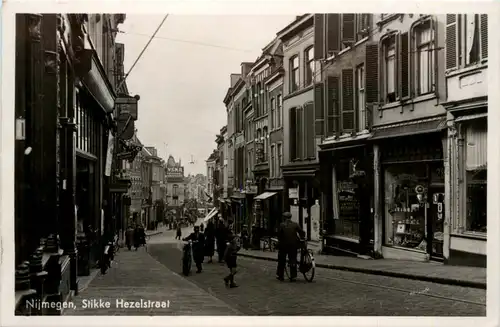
[347,223]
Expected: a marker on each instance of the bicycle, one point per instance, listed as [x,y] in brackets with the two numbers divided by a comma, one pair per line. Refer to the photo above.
[269,243]
[306,263]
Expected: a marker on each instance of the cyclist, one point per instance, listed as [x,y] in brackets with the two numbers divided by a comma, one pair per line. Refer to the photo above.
[198,242]
[289,236]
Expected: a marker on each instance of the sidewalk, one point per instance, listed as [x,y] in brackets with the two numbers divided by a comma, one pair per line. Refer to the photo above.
[134,277]
[426,271]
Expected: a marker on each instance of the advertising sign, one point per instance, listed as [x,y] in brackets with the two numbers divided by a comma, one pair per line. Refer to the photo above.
[127,105]
[109,155]
[175,171]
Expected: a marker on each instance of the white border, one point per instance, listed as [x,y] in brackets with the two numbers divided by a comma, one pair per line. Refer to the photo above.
[236,7]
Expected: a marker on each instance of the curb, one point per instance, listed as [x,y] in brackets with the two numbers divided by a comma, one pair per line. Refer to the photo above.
[154,233]
[437,280]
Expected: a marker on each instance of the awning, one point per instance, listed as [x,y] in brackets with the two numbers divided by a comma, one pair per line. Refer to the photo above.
[264,195]
[211,214]
[472,117]
[410,128]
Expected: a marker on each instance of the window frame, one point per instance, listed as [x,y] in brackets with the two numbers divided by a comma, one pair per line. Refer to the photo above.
[294,74]
[309,66]
[272,104]
[279,107]
[272,167]
[423,24]
[280,158]
[360,85]
[386,43]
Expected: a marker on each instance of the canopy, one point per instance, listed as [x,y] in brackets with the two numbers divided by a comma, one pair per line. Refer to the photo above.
[264,195]
[211,214]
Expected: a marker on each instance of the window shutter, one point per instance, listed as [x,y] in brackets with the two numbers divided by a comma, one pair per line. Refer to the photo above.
[332,34]
[299,139]
[319,113]
[451,41]
[371,73]
[405,76]
[484,36]
[293,131]
[347,100]
[319,36]
[332,85]
[348,28]
[309,130]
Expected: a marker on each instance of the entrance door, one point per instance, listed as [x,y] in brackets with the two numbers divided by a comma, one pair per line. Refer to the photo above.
[435,219]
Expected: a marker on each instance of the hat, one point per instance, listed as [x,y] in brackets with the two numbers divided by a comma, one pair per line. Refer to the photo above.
[287,215]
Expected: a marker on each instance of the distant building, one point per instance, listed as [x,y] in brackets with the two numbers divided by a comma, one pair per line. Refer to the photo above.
[176,186]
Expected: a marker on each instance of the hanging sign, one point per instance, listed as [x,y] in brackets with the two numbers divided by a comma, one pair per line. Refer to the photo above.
[109,155]
[127,105]
[126,126]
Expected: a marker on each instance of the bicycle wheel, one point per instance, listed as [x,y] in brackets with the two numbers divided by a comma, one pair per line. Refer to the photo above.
[308,266]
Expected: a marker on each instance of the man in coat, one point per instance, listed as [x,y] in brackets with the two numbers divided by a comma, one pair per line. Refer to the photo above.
[198,240]
[289,235]
[221,235]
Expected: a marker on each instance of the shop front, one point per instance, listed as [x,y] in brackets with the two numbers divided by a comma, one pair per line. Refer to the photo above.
[238,210]
[468,162]
[347,185]
[412,197]
[302,187]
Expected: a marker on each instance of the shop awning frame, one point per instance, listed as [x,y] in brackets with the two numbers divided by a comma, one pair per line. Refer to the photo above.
[265,195]
[423,126]
[211,214]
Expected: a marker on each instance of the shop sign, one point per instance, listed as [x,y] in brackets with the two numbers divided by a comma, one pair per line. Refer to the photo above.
[126,126]
[127,105]
[251,189]
[293,193]
[109,155]
[175,172]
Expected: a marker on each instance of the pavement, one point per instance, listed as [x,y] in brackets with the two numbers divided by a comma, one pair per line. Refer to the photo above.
[425,271]
[134,277]
[332,292]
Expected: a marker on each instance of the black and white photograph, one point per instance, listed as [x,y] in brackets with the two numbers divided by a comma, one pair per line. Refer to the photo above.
[283,163]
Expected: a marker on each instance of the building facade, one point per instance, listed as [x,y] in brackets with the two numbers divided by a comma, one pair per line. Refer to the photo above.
[176,187]
[465,163]
[73,61]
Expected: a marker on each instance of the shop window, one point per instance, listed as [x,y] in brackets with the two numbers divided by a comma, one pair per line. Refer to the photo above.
[476,177]
[404,208]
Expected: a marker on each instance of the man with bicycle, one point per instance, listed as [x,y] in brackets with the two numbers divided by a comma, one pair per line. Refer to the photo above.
[289,238]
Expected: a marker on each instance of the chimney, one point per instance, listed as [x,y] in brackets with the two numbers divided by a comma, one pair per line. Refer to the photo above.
[245,68]
[234,79]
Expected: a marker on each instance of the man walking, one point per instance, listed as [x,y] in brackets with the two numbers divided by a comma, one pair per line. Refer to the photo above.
[289,235]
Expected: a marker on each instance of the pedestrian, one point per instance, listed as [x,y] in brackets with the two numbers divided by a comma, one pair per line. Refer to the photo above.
[230,256]
[198,241]
[129,236]
[202,227]
[221,234]
[289,237]
[179,232]
[210,240]
[139,236]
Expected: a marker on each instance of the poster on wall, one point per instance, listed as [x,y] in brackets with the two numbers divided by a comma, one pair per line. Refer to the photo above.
[348,203]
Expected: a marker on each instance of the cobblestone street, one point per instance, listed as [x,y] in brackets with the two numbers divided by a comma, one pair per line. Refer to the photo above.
[332,292]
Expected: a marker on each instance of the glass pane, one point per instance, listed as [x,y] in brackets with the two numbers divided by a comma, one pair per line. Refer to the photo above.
[423,69]
[476,201]
[390,74]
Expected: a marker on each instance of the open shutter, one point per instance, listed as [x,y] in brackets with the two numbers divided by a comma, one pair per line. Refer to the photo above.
[332,34]
[484,36]
[319,36]
[331,105]
[299,134]
[309,130]
[451,41]
[319,111]
[348,118]
[348,28]
[371,73]
[405,69]
[293,130]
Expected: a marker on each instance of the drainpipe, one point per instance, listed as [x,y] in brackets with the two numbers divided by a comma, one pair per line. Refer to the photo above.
[448,187]
[377,217]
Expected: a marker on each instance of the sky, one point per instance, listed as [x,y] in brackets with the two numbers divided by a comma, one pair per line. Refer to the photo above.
[184,74]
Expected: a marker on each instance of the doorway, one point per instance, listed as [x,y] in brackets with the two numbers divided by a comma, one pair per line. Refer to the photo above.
[435,222]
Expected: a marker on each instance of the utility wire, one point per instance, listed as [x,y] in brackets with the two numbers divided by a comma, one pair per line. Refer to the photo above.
[188,42]
[144,49]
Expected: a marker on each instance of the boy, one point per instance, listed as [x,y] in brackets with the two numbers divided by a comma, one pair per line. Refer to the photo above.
[230,259]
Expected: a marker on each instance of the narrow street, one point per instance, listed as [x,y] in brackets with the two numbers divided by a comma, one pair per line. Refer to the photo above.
[156,277]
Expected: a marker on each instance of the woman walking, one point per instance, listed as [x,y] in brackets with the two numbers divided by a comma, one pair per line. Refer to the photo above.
[210,240]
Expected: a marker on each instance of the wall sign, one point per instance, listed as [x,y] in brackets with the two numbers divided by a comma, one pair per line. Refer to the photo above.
[127,105]
[293,193]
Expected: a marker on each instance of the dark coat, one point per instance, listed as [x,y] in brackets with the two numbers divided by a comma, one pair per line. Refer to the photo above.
[210,240]
[197,246]
[221,234]
[288,235]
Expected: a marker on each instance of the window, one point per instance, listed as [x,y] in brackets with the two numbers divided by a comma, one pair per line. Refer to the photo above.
[279,111]
[360,97]
[466,39]
[294,74]
[362,26]
[280,158]
[272,167]
[273,113]
[309,66]
[265,135]
[390,71]
[175,189]
[424,58]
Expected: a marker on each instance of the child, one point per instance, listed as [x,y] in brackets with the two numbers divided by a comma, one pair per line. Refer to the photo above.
[230,259]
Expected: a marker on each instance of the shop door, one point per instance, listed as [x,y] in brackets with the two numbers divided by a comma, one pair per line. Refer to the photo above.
[435,219]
